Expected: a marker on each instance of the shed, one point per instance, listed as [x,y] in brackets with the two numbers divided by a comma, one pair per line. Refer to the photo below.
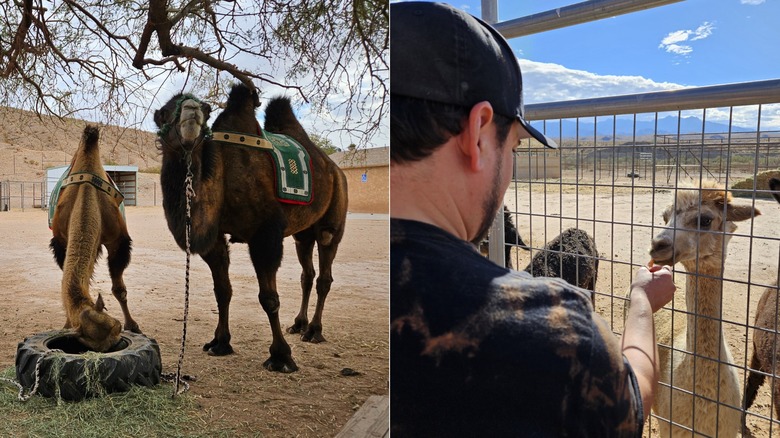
[368,178]
[537,163]
[125,177]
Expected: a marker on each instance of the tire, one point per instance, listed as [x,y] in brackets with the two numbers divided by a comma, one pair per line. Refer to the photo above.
[134,360]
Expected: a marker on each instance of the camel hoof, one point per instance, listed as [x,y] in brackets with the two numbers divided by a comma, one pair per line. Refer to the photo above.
[133,328]
[214,348]
[298,327]
[315,337]
[282,366]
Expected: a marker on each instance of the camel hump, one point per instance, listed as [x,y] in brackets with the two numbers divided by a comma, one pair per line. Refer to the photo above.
[242,98]
[279,115]
[90,137]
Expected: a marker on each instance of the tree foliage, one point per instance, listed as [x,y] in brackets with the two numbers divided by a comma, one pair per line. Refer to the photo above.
[324,143]
[111,59]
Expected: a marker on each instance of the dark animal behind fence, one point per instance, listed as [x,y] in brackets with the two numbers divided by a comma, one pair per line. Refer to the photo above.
[766,345]
[571,256]
[511,238]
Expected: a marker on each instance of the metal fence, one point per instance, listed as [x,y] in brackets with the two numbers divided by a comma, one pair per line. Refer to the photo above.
[622,161]
[615,181]
[21,195]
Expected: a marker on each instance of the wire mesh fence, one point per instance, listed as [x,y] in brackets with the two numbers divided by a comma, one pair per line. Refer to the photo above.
[616,177]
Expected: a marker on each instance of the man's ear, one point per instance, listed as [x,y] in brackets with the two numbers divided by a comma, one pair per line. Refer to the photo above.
[475,131]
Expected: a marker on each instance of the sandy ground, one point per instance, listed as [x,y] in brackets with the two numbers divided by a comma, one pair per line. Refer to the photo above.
[235,390]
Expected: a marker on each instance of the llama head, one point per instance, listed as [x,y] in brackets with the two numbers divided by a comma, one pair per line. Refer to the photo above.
[698,227]
[97,329]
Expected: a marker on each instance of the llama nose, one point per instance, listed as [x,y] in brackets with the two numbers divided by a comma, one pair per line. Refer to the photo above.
[660,246]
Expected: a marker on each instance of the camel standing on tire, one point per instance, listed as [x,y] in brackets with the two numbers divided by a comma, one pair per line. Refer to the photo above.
[87,217]
[235,194]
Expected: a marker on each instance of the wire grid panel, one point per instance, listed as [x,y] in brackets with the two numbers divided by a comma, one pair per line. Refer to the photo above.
[613,177]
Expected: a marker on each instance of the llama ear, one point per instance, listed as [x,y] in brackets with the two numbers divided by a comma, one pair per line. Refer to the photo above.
[736,213]
[666,214]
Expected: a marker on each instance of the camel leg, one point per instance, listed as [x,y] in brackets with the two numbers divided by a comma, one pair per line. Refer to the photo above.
[304,247]
[326,255]
[118,259]
[265,250]
[754,381]
[218,260]
[59,247]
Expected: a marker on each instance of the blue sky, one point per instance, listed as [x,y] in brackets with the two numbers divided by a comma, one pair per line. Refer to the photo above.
[684,44]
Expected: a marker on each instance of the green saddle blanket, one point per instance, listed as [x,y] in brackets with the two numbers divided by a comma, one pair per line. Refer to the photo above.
[55,196]
[293,169]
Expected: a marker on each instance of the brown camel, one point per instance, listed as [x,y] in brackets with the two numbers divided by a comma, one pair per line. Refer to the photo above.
[86,216]
[234,193]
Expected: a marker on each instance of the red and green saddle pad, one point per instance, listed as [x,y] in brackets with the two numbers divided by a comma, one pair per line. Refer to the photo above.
[292,164]
[109,187]
[293,169]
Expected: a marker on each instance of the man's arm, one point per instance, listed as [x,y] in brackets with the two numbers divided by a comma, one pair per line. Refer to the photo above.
[651,289]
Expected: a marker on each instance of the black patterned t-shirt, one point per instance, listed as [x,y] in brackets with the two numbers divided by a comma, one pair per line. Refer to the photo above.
[480,350]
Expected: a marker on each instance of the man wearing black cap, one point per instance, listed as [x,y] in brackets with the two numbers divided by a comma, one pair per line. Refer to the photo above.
[477,349]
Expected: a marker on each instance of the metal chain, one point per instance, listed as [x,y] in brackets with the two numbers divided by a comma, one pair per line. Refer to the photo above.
[21,396]
[189,194]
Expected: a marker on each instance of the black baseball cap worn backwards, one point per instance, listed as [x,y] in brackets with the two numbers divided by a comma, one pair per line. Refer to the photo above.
[442,54]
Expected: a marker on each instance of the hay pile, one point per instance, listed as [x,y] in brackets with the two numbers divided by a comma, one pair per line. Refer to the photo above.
[142,411]
[744,189]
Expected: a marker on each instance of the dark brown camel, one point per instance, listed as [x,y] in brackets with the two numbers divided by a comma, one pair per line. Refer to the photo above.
[235,195]
[86,216]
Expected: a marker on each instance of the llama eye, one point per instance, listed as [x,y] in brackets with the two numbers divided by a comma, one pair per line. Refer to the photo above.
[705,222]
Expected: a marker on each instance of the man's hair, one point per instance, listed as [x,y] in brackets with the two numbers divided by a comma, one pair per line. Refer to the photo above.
[419,127]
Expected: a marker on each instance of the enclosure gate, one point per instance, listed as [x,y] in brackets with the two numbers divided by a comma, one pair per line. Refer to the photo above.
[21,195]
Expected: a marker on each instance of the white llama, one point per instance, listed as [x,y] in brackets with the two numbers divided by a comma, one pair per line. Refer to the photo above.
[706,394]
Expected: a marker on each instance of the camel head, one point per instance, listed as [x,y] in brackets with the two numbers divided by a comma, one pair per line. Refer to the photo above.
[182,122]
[97,329]
[698,227]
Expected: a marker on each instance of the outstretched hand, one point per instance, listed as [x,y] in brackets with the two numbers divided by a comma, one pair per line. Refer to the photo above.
[656,283]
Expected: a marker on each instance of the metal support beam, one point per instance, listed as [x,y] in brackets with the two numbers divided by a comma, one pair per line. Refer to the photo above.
[716,96]
[490,11]
[570,15]
[496,239]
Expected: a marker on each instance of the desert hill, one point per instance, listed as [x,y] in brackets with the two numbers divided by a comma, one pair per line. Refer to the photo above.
[29,145]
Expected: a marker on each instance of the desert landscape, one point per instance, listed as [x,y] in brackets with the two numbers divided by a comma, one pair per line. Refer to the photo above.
[232,393]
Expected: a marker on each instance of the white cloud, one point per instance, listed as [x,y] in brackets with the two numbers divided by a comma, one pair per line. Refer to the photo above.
[671,42]
[676,37]
[751,2]
[679,49]
[546,82]
[703,31]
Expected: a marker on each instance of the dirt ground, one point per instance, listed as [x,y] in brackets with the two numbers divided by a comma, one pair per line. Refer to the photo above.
[621,220]
[318,400]
[235,391]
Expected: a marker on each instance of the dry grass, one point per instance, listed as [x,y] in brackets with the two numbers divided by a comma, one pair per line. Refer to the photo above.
[148,412]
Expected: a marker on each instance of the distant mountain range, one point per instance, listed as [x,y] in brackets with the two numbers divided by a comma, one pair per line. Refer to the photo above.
[625,127]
